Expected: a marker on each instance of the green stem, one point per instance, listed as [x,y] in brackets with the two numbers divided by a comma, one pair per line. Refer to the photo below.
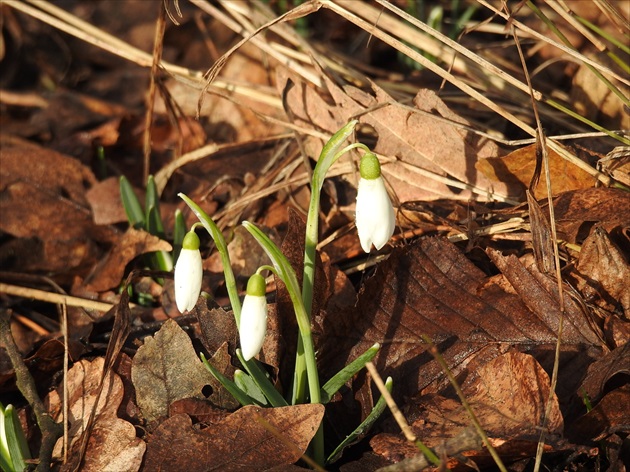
[299,375]
[287,275]
[230,282]
[327,158]
[219,241]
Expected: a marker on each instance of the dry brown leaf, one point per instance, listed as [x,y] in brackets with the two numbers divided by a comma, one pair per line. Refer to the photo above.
[431,288]
[239,443]
[112,447]
[110,271]
[608,417]
[617,164]
[579,211]
[418,140]
[602,370]
[593,99]
[44,204]
[104,199]
[166,368]
[517,168]
[113,444]
[83,382]
[540,295]
[604,271]
[509,396]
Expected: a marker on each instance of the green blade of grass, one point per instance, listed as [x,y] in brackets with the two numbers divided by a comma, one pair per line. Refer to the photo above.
[365,426]
[230,386]
[131,204]
[340,378]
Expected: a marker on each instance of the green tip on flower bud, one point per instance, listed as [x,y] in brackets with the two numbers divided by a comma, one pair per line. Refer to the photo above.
[191,241]
[370,167]
[256,286]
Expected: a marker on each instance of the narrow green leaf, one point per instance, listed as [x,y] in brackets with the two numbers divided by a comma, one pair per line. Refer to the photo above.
[261,380]
[152,208]
[230,386]
[179,231]
[16,442]
[364,427]
[247,385]
[154,223]
[131,204]
[5,455]
[340,378]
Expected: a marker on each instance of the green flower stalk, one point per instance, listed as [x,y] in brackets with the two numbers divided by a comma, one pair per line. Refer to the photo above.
[188,273]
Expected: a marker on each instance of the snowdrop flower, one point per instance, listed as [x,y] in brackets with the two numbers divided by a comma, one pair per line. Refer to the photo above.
[375,218]
[253,325]
[188,273]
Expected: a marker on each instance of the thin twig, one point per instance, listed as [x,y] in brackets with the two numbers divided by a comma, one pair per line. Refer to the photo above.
[398,416]
[57,298]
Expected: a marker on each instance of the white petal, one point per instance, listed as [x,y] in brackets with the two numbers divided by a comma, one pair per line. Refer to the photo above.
[253,325]
[188,274]
[375,217]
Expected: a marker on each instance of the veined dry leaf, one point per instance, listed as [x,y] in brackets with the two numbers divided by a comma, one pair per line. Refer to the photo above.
[516,170]
[508,396]
[83,382]
[112,447]
[241,442]
[431,288]
[166,368]
[113,444]
[417,139]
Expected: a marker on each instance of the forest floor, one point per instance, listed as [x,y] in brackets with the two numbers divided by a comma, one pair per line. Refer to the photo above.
[500,305]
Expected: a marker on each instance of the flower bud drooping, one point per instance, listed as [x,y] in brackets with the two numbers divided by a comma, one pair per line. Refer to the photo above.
[253,324]
[188,273]
[375,218]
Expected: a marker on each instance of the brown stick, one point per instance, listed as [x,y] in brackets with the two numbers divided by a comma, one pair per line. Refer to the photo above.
[50,430]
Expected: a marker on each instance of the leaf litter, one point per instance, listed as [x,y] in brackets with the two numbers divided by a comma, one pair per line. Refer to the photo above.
[467,268]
